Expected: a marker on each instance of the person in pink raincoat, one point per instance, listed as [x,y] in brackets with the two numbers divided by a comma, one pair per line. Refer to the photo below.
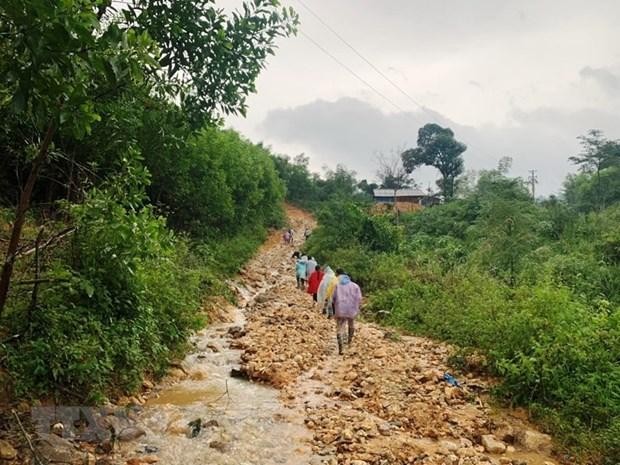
[347,300]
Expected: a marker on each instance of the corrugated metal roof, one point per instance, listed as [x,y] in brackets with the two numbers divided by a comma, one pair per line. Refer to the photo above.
[400,193]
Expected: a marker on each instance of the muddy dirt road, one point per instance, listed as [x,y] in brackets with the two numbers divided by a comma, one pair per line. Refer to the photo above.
[385,401]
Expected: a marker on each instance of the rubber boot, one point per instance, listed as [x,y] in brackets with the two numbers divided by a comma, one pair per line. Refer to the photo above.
[351,334]
[340,344]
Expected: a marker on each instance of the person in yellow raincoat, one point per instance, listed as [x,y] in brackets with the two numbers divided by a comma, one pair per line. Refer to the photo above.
[326,290]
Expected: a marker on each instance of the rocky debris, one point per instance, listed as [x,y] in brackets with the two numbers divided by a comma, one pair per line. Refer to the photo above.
[492,445]
[7,451]
[58,450]
[146,459]
[534,441]
[239,373]
[384,402]
[130,433]
[283,341]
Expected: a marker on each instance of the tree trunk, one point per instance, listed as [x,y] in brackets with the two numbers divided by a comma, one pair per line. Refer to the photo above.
[20,215]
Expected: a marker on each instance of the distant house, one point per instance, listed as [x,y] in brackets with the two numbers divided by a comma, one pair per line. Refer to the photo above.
[405,199]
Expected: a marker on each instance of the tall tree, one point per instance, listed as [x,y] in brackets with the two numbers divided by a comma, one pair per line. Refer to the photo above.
[437,147]
[56,62]
[597,153]
[210,59]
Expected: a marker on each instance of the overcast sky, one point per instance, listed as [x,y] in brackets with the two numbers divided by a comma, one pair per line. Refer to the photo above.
[518,78]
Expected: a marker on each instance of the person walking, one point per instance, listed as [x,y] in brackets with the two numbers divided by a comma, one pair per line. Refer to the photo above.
[300,271]
[314,281]
[326,291]
[347,300]
[310,266]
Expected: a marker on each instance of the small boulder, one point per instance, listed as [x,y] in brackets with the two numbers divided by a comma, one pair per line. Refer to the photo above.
[54,449]
[492,445]
[7,451]
[130,433]
[534,441]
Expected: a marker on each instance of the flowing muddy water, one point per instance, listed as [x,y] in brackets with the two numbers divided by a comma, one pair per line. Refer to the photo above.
[241,422]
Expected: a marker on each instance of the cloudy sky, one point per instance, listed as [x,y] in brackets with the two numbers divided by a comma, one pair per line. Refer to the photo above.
[518,78]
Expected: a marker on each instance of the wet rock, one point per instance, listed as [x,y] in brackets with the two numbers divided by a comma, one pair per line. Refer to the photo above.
[146,384]
[239,373]
[176,373]
[55,449]
[130,433]
[236,332]
[178,427]
[195,426]
[218,445]
[534,441]
[492,445]
[7,451]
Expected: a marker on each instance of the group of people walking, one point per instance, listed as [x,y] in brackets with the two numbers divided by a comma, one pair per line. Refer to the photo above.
[334,292]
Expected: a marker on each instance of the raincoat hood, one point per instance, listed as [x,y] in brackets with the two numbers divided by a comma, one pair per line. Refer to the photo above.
[344,279]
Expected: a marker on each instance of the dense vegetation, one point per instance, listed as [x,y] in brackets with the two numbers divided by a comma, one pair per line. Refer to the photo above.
[529,291]
[123,204]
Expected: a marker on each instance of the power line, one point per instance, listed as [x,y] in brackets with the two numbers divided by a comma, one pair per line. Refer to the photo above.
[377,70]
[359,54]
[345,66]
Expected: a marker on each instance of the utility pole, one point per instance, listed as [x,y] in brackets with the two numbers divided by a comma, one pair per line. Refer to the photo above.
[532,181]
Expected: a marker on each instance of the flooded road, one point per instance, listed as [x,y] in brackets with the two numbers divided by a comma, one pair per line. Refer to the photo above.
[384,402]
[211,417]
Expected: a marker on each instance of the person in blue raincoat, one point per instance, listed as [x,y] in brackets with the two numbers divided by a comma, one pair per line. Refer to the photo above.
[300,271]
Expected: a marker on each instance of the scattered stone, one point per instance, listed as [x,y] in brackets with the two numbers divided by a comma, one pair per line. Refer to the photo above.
[146,384]
[534,441]
[492,445]
[218,445]
[131,433]
[448,445]
[55,449]
[240,373]
[7,451]
[178,427]
[149,459]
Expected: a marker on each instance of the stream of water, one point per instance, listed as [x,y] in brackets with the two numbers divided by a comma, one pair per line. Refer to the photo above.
[241,422]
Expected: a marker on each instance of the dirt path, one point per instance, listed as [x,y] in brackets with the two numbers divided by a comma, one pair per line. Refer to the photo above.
[385,400]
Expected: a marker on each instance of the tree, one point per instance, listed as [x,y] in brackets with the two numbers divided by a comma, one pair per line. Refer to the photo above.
[597,154]
[210,60]
[366,187]
[391,173]
[59,62]
[437,147]
[56,62]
